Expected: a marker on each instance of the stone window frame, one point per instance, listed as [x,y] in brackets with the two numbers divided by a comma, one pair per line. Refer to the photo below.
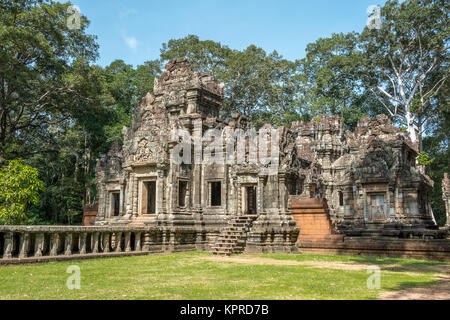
[243,194]
[209,194]
[341,198]
[142,181]
[111,194]
[180,180]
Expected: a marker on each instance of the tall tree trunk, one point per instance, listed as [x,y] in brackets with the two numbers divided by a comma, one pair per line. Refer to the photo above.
[410,124]
[420,133]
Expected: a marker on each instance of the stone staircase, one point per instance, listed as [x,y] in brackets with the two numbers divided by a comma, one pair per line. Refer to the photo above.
[233,238]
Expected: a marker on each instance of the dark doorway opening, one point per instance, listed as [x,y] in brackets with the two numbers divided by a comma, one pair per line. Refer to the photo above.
[182,191]
[251,200]
[116,204]
[216,194]
[149,198]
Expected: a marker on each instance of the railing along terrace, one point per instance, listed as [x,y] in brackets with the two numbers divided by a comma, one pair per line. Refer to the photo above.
[21,243]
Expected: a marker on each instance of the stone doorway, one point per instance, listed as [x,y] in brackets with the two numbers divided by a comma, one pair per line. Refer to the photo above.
[377,210]
[115,204]
[249,200]
[149,197]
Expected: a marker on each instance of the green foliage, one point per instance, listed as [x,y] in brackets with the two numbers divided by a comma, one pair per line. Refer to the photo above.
[423,159]
[63,112]
[124,88]
[38,48]
[259,85]
[437,149]
[19,188]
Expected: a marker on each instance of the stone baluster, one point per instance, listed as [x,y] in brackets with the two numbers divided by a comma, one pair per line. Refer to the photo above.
[127,241]
[68,244]
[146,246]
[137,242]
[24,245]
[118,240]
[39,245]
[54,244]
[83,237]
[8,246]
[95,242]
[106,241]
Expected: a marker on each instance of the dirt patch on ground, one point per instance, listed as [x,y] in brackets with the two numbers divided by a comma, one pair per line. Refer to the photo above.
[441,270]
[312,264]
[440,291]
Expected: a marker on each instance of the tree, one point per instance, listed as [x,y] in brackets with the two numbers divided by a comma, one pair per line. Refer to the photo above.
[259,85]
[19,188]
[124,89]
[409,60]
[205,56]
[332,81]
[36,51]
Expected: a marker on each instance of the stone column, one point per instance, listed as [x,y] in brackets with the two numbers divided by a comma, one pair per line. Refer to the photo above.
[127,241]
[147,241]
[24,245]
[95,242]
[106,241]
[446,196]
[118,240]
[39,245]
[68,244]
[129,195]
[197,172]
[239,200]
[83,237]
[122,210]
[160,192]
[282,188]
[8,246]
[137,242]
[54,239]
[260,195]
[101,202]
[135,195]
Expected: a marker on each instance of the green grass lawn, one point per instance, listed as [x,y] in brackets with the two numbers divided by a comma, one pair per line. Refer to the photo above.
[194,275]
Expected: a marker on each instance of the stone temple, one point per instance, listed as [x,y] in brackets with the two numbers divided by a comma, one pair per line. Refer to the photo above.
[329,182]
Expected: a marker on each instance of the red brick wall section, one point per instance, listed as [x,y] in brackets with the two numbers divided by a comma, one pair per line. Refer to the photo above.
[312,218]
[89,214]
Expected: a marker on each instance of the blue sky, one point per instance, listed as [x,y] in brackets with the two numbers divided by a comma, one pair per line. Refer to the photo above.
[134,30]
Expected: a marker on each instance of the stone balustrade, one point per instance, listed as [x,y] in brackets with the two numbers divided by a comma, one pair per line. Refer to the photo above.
[37,243]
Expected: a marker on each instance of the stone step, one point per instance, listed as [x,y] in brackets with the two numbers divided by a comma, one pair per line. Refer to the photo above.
[233,237]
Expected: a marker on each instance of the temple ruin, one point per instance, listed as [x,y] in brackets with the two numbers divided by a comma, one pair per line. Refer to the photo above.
[367,180]
[313,187]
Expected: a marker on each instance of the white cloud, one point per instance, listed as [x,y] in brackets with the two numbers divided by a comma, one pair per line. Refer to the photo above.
[125,12]
[131,42]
